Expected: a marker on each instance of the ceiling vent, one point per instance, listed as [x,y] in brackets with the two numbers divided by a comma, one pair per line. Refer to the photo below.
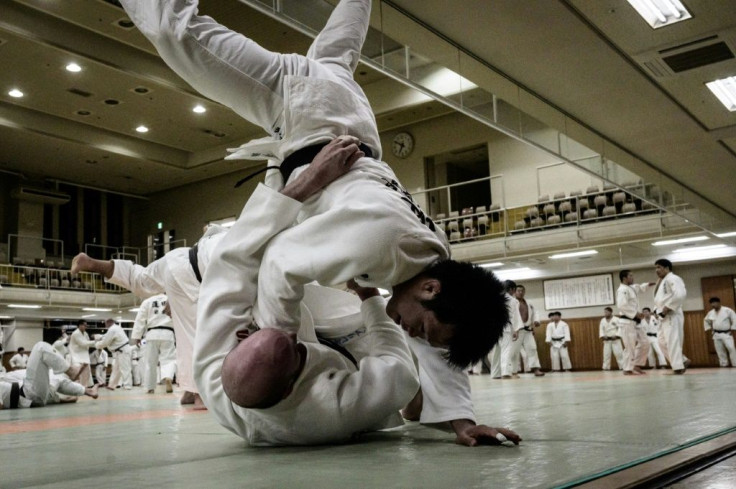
[41,195]
[694,54]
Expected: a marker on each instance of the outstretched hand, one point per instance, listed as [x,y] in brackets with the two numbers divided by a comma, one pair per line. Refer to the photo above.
[363,292]
[332,162]
[485,435]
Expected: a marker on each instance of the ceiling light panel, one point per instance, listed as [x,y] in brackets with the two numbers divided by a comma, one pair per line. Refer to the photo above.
[691,239]
[573,254]
[725,91]
[660,13]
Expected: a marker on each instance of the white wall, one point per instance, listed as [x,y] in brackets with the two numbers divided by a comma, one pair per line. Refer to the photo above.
[26,334]
[690,274]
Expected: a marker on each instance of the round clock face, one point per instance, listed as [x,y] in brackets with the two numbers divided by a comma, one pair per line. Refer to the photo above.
[402,145]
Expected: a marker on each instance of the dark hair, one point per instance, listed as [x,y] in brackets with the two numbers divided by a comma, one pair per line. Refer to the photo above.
[607,309]
[509,285]
[646,309]
[664,262]
[519,286]
[623,274]
[20,349]
[81,322]
[713,299]
[472,300]
[554,313]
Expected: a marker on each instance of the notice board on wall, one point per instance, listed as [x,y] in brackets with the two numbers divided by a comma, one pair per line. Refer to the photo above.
[567,293]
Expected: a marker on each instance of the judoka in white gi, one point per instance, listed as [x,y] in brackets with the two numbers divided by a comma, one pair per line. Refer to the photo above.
[721,320]
[321,389]
[62,345]
[650,323]
[98,364]
[36,386]
[118,343]
[669,294]
[510,344]
[19,360]
[530,318]
[636,343]
[558,337]
[610,333]
[365,225]
[79,345]
[153,322]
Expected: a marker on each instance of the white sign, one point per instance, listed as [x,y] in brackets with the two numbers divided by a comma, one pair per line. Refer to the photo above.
[566,293]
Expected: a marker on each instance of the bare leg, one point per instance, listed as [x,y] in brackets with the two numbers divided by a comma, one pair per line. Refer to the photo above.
[413,410]
[83,263]
[187,398]
[91,392]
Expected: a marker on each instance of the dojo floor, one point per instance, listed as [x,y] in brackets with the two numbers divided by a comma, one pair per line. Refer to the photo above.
[574,425]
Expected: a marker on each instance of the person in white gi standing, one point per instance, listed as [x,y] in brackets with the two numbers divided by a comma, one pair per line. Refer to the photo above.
[636,343]
[558,337]
[528,350]
[35,386]
[610,334]
[721,320]
[669,294]
[510,343]
[98,362]
[19,360]
[303,102]
[650,323]
[118,343]
[153,322]
[79,345]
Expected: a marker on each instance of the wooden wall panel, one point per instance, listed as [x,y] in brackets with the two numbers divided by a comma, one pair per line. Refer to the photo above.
[586,348]
[721,287]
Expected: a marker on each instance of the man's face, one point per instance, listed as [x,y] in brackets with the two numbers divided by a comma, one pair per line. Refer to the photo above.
[556,319]
[520,291]
[83,327]
[646,313]
[406,309]
[607,313]
[715,305]
[629,279]
[661,271]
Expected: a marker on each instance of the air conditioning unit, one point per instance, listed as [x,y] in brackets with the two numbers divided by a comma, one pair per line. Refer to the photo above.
[44,196]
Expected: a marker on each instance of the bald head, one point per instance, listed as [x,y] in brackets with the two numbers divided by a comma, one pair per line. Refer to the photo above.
[261,370]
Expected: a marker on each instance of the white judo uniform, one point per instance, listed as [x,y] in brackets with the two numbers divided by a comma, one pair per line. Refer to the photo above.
[528,350]
[98,363]
[173,275]
[610,331]
[651,326]
[721,323]
[158,329]
[364,225]
[636,343]
[118,343]
[558,335]
[18,361]
[509,347]
[332,399]
[79,345]
[670,292]
[38,386]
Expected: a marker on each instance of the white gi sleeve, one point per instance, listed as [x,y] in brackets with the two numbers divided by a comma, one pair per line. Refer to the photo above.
[141,320]
[517,323]
[709,317]
[567,331]
[602,328]
[731,316]
[677,292]
[106,340]
[548,333]
[77,339]
[229,288]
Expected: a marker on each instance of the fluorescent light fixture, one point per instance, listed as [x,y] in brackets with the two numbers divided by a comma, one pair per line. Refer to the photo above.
[134,309]
[24,306]
[96,309]
[87,316]
[727,235]
[491,265]
[725,90]
[15,93]
[6,317]
[703,253]
[73,67]
[199,109]
[699,248]
[141,129]
[691,239]
[659,13]
[573,254]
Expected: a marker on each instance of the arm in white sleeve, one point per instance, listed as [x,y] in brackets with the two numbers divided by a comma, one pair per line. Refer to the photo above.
[517,323]
[708,317]
[229,288]
[106,340]
[678,293]
[141,321]
[548,333]
[639,288]
[567,333]
[602,328]
[78,340]
[732,318]
[341,40]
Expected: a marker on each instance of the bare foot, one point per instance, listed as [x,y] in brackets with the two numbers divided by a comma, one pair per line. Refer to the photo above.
[91,392]
[187,398]
[639,371]
[109,388]
[169,387]
[198,404]
[150,391]
[80,263]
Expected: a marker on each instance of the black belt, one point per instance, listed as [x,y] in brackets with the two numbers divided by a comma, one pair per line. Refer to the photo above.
[338,348]
[558,339]
[94,364]
[724,331]
[528,329]
[118,349]
[652,334]
[611,338]
[299,158]
[161,327]
[636,320]
[194,262]
[16,392]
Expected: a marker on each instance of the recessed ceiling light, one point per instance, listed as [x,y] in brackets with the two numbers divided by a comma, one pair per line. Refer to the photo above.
[659,13]
[96,309]
[491,265]
[134,309]
[573,254]
[198,109]
[141,129]
[86,316]
[725,90]
[24,306]
[679,241]
[73,67]
[15,93]
[727,235]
